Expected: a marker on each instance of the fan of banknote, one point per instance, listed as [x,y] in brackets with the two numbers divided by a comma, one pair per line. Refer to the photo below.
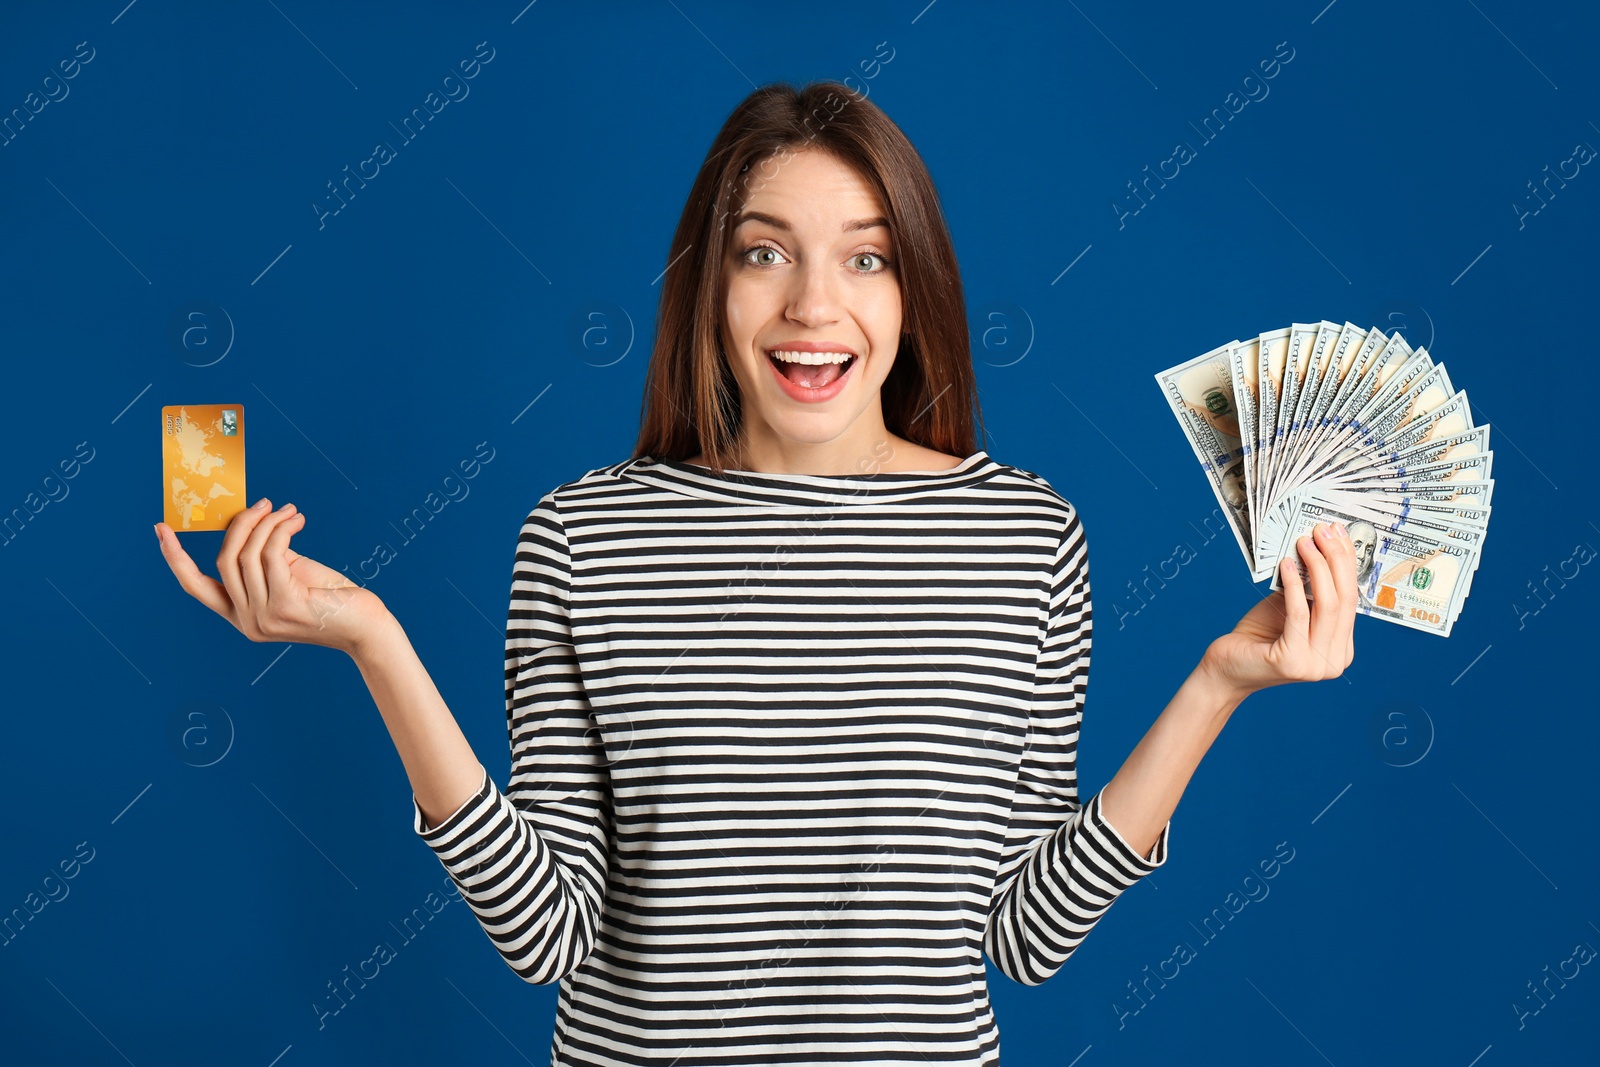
[1322,422]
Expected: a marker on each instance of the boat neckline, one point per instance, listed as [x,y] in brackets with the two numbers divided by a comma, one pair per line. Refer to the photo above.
[785,488]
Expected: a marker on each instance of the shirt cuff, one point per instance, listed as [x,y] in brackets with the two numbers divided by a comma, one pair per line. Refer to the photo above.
[473,805]
[1114,845]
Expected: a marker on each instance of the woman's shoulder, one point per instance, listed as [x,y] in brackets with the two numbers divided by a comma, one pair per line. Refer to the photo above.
[1032,480]
[1040,492]
[595,478]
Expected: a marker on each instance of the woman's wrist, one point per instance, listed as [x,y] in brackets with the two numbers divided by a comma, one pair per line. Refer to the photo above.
[376,637]
[1217,687]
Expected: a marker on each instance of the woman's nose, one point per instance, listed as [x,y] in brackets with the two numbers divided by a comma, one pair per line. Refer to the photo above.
[813,300]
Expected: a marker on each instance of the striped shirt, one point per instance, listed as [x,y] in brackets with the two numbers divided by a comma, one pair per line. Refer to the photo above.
[790,753]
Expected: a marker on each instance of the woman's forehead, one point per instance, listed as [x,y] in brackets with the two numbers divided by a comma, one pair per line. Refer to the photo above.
[810,188]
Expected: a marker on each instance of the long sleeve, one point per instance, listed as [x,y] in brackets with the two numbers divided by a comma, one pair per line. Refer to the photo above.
[1062,865]
[531,861]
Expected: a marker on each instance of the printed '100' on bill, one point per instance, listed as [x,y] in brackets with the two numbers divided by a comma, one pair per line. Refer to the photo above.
[1200,394]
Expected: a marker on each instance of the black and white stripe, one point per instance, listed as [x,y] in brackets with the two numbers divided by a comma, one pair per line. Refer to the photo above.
[790,754]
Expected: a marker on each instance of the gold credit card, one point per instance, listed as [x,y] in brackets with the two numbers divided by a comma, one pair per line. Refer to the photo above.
[202,465]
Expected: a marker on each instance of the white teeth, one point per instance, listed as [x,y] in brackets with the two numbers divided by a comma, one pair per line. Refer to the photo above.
[811,357]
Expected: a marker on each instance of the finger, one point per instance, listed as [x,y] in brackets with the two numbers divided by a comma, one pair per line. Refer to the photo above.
[228,555]
[195,582]
[1325,610]
[1342,558]
[1296,614]
[277,556]
[255,577]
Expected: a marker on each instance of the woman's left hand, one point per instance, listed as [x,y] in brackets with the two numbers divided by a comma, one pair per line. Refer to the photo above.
[1285,639]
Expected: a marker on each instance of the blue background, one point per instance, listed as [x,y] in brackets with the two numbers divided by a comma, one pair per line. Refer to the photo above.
[1436,797]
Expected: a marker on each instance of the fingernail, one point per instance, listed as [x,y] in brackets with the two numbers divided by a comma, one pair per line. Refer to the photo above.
[1341,531]
[157,529]
[257,505]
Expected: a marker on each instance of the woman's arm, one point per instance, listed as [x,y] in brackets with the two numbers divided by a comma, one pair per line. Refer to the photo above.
[1141,797]
[1281,639]
[438,759]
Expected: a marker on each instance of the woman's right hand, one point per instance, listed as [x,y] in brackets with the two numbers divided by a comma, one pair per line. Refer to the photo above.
[270,592]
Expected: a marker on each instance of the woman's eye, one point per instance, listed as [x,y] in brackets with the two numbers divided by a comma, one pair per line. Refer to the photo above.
[864,261]
[759,251]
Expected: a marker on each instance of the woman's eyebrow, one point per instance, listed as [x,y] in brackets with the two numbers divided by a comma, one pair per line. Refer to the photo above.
[776,223]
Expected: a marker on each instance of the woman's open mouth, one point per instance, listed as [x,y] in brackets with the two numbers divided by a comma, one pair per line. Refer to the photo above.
[811,376]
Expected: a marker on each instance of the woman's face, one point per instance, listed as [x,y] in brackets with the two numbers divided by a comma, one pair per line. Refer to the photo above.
[809,266]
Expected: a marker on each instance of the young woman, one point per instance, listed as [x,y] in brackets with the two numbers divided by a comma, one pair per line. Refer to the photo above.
[793,695]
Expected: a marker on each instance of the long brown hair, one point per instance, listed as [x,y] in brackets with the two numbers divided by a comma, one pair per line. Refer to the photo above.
[691,399]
